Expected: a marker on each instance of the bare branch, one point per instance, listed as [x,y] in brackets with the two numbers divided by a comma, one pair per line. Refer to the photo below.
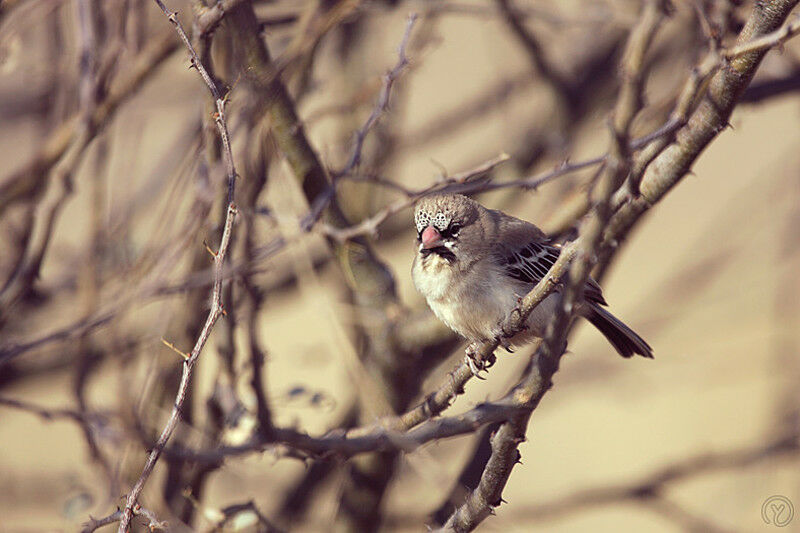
[487,495]
[31,179]
[382,103]
[765,42]
[152,521]
[216,291]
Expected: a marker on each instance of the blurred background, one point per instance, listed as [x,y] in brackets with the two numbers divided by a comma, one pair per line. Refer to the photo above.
[111,185]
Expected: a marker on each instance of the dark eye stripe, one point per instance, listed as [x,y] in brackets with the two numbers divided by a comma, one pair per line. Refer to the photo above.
[451,231]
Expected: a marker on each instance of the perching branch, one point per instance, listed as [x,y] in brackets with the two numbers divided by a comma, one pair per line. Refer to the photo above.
[599,235]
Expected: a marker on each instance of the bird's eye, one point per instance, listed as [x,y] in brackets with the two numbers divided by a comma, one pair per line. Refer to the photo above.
[455,227]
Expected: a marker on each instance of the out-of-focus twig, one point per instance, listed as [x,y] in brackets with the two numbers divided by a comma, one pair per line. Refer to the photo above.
[49,414]
[30,180]
[382,103]
[380,107]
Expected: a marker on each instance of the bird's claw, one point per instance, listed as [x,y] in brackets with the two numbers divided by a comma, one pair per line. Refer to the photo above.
[477,364]
[473,367]
[503,338]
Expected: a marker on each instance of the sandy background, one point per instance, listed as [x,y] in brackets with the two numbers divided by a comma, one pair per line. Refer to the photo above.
[710,279]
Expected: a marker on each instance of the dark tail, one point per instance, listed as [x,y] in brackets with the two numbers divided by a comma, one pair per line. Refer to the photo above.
[623,338]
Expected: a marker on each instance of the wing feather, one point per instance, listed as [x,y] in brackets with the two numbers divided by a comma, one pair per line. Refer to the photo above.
[527,256]
[531,262]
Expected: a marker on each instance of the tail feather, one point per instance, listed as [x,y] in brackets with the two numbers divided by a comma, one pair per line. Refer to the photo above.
[623,338]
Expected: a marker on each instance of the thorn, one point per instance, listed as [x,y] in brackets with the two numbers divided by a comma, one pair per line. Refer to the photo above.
[175,349]
[518,459]
[212,252]
[226,97]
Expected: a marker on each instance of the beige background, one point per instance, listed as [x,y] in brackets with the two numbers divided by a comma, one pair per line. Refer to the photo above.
[710,279]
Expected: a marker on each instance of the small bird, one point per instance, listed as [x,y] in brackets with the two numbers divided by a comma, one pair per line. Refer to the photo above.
[473,265]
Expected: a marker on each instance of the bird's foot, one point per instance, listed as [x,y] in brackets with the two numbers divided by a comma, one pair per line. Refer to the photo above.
[476,363]
[503,341]
[513,317]
[503,336]
[474,367]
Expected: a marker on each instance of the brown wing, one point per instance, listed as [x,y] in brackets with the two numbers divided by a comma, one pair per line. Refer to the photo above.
[527,256]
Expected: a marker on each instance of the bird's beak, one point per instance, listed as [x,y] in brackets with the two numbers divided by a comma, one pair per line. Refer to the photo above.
[431,238]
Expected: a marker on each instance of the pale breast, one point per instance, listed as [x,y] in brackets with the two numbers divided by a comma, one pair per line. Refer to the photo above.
[471,303]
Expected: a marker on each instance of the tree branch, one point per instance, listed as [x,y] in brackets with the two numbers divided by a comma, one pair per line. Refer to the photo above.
[216,291]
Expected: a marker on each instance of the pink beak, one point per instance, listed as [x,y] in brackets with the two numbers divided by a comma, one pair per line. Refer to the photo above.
[431,238]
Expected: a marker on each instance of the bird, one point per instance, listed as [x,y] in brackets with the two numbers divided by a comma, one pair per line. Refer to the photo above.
[473,265]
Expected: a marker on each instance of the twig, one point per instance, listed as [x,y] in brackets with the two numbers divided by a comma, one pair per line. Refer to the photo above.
[153,523]
[382,103]
[347,443]
[765,42]
[370,225]
[96,523]
[216,291]
[32,177]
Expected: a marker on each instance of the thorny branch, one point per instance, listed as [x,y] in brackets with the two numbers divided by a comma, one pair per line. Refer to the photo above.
[380,107]
[599,235]
[153,523]
[216,291]
[382,103]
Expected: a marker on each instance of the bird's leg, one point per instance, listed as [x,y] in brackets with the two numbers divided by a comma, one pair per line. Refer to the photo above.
[471,358]
[503,334]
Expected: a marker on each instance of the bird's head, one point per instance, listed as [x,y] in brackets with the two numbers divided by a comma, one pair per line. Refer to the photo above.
[447,226]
